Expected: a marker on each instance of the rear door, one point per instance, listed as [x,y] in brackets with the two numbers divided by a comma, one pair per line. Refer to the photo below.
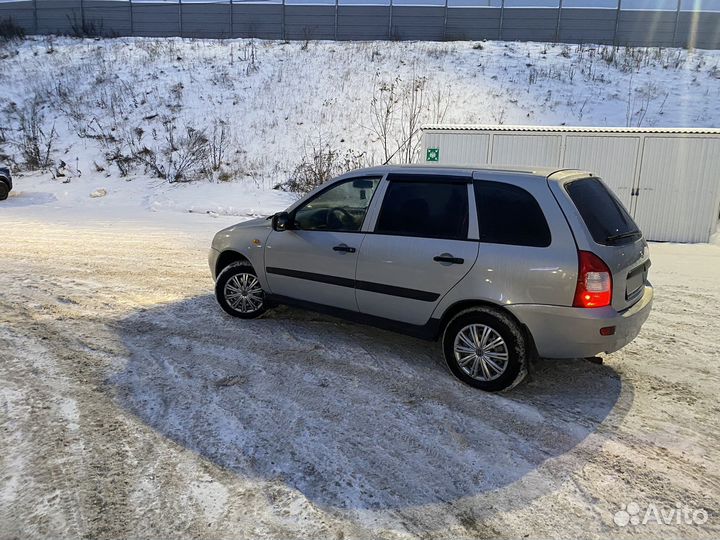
[423,243]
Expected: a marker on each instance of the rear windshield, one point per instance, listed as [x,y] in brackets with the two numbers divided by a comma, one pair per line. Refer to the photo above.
[605,217]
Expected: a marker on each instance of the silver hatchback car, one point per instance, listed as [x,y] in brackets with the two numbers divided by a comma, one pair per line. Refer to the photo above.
[501,264]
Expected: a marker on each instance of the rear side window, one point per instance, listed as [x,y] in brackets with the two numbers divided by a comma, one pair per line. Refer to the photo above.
[605,217]
[508,214]
[427,209]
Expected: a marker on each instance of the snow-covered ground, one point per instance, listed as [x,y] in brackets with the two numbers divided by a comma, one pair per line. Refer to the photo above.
[107,98]
[132,406]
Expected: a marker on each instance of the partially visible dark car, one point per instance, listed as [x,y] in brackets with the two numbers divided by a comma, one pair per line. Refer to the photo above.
[5,183]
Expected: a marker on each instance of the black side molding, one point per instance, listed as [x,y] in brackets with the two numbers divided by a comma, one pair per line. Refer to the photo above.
[402,292]
[311,276]
[391,290]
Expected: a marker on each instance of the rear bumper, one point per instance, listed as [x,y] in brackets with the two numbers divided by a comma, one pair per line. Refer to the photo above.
[567,332]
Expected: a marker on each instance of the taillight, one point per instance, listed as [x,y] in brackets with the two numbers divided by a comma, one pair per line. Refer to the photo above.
[594,284]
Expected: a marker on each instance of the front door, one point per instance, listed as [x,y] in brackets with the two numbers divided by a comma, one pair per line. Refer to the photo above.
[419,248]
[315,259]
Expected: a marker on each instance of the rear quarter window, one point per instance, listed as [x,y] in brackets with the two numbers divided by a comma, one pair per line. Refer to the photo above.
[605,216]
[509,214]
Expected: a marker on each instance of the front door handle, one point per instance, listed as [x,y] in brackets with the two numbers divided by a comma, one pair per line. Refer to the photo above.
[345,248]
[447,258]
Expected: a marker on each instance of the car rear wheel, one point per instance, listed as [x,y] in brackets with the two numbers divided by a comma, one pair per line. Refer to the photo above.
[485,348]
[238,291]
[4,190]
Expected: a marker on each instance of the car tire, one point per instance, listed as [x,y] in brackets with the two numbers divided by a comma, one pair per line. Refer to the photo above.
[486,348]
[234,289]
[4,190]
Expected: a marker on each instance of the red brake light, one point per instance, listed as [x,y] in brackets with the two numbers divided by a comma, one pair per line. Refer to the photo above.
[594,285]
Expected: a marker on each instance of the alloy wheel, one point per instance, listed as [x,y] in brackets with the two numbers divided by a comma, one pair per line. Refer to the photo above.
[244,293]
[481,352]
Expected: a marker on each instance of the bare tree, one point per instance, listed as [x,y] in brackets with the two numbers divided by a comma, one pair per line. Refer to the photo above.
[439,105]
[629,106]
[411,113]
[35,142]
[186,154]
[397,111]
[218,144]
[382,114]
[319,164]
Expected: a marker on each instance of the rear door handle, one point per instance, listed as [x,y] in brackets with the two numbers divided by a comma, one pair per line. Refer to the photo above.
[345,248]
[448,259]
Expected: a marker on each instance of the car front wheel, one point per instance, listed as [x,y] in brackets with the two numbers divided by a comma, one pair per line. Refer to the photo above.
[238,291]
[485,348]
[4,190]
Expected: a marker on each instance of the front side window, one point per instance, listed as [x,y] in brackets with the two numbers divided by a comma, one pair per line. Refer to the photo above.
[342,207]
[427,209]
[509,214]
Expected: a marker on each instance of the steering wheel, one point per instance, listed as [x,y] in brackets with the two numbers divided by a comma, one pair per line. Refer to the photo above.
[345,214]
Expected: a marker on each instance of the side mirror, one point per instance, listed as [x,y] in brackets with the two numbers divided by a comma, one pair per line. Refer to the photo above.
[281,221]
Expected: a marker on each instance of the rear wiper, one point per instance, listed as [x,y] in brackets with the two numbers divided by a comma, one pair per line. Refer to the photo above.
[614,237]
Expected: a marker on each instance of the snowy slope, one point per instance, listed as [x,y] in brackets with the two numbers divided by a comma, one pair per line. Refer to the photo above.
[280,99]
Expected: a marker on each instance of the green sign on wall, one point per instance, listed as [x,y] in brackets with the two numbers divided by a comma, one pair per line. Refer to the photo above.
[433,154]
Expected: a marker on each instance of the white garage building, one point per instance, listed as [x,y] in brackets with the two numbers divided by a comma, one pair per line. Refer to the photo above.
[669,179]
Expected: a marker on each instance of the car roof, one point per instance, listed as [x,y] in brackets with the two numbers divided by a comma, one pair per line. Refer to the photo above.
[451,171]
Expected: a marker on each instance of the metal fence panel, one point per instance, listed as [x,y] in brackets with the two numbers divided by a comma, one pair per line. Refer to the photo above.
[264,21]
[275,20]
[587,26]
[700,30]
[418,23]
[526,24]
[646,28]
[22,13]
[206,20]
[156,20]
[108,17]
[58,16]
[309,22]
[472,23]
[363,22]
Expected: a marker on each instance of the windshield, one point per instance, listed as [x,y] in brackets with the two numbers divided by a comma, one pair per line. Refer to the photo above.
[604,215]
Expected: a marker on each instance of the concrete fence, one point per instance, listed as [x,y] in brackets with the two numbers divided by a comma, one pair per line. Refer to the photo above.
[280,20]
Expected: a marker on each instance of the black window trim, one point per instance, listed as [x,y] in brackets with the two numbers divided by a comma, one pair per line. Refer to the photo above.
[409,177]
[423,236]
